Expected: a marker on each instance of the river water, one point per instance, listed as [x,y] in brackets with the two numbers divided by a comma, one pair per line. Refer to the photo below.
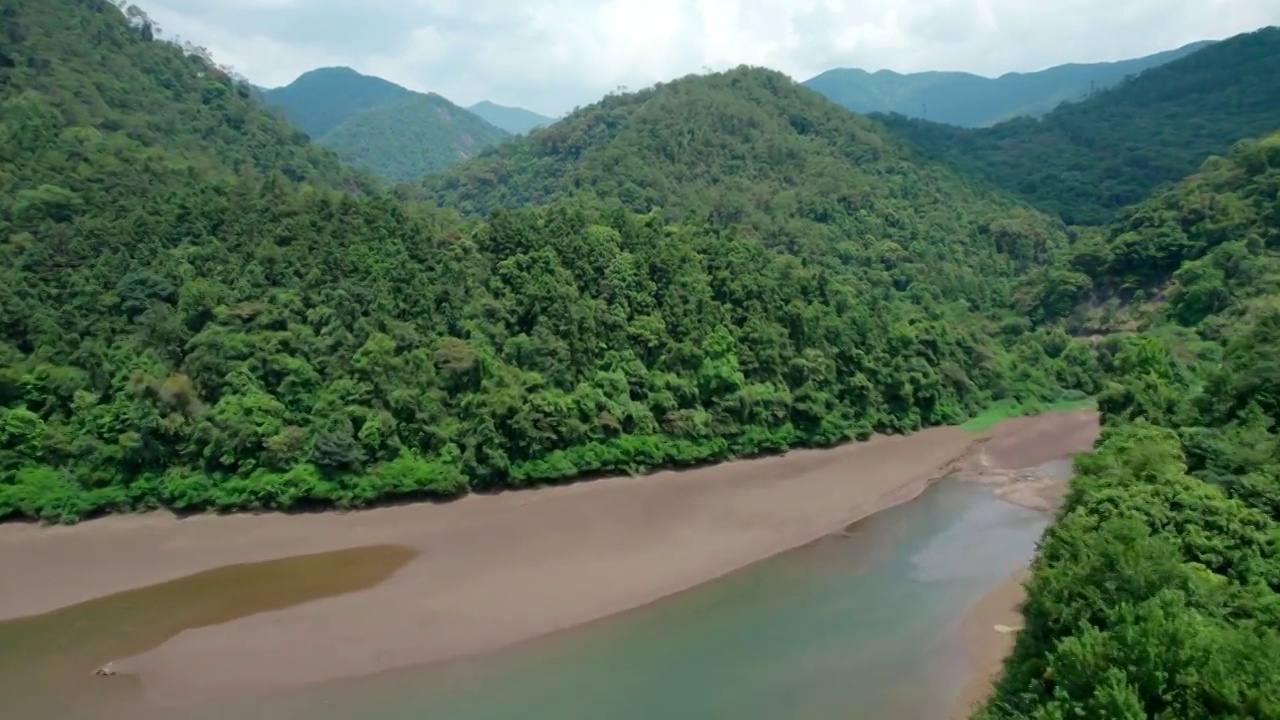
[859,625]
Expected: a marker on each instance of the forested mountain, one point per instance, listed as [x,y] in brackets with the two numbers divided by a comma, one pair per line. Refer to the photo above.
[174,111]
[969,100]
[173,334]
[751,148]
[395,133]
[321,100]
[1085,160]
[402,141]
[1154,594]
[514,120]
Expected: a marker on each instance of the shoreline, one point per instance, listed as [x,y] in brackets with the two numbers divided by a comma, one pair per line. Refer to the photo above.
[985,647]
[1021,476]
[568,554]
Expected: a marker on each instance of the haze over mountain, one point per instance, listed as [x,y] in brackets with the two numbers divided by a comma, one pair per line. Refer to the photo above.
[969,100]
[514,120]
[396,133]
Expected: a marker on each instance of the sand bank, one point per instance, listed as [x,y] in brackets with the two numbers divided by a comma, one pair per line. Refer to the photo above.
[490,570]
[984,630]
[1026,463]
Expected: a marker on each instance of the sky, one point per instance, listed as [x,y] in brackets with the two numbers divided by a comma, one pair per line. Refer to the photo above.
[552,55]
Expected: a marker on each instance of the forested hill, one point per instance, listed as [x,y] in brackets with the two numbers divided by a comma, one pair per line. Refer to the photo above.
[177,335]
[1085,160]
[1191,252]
[402,141]
[1154,594]
[395,133]
[750,148]
[81,84]
[322,99]
[968,100]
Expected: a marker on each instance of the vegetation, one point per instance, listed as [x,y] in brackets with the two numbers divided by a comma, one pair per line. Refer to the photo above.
[1154,594]
[404,141]
[514,120]
[187,336]
[1086,160]
[200,310]
[395,133]
[321,100]
[968,100]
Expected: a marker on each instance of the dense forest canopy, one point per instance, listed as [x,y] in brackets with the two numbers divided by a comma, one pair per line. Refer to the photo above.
[393,132]
[199,309]
[1084,161]
[187,336]
[1154,594]
[322,99]
[83,65]
[403,141]
[967,100]
[753,149]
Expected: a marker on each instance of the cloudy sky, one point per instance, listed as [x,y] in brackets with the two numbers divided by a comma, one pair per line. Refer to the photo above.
[549,55]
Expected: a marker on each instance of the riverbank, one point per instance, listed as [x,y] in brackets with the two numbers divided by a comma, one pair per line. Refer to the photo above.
[489,570]
[1027,464]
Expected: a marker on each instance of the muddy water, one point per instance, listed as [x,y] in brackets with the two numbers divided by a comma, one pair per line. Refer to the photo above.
[853,626]
[46,661]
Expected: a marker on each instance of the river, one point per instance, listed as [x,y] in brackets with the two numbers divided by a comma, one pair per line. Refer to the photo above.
[859,625]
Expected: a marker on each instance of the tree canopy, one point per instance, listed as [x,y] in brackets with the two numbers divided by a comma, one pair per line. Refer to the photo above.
[194,327]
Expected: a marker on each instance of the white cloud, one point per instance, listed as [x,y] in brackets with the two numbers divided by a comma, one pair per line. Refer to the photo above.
[549,55]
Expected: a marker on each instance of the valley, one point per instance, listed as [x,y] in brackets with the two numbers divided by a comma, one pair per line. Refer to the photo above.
[477,387]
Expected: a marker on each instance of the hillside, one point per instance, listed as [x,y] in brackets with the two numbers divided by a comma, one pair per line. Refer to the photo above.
[189,338]
[1190,252]
[1085,160]
[321,100]
[61,111]
[1154,592]
[969,100]
[751,148]
[514,120]
[402,141]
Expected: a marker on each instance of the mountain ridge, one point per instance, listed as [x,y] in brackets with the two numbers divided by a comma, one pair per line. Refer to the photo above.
[972,100]
[515,120]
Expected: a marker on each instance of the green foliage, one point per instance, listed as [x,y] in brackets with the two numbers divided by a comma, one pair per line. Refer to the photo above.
[83,86]
[172,334]
[320,100]
[1154,594]
[968,100]
[402,141]
[1085,160]
[751,148]
[1202,248]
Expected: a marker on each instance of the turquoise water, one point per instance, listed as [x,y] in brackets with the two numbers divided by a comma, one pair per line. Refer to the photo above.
[856,626]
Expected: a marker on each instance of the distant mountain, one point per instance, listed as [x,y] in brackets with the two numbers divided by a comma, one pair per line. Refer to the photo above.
[320,100]
[402,141]
[374,124]
[514,120]
[1087,159]
[968,100]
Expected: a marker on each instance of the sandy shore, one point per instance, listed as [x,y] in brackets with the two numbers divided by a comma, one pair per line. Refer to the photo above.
[490,570]
[985,645]
[1026,463]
